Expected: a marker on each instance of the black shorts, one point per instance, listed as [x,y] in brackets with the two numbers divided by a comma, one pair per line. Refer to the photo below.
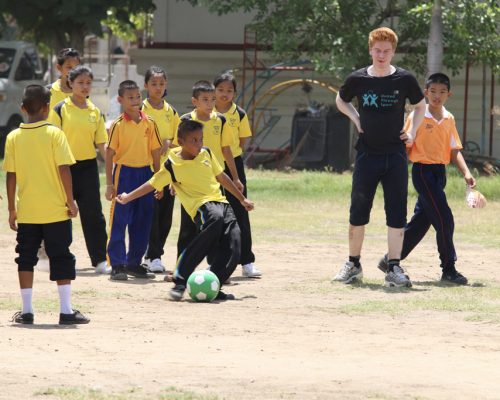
[371,169]
[57,237]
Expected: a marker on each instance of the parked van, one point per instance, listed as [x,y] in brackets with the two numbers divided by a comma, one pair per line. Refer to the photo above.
[19,67]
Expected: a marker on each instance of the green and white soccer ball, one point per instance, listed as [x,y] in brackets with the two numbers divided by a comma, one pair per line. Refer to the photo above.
[203,285]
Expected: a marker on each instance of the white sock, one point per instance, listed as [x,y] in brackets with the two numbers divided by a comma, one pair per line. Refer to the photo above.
[65,298]
[27,296]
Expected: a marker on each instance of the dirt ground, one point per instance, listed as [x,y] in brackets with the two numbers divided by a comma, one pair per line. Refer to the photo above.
[286,336]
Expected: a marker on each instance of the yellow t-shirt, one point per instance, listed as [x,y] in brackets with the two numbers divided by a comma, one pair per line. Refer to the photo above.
[84,127]
[167,119]
[237,119]
[194,180]
[133,142]
[34,152]
[216,133]
[434,140]
[57,95]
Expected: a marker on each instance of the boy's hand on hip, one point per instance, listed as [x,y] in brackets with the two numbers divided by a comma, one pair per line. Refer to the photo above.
[110,192]
[12,220]
[72,209]
[249,206]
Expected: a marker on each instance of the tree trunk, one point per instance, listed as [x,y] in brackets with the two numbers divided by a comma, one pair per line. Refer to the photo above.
[435,44]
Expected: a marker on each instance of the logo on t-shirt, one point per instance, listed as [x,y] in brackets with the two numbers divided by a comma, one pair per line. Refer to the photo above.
[92,118]
[206,163]
[370,99]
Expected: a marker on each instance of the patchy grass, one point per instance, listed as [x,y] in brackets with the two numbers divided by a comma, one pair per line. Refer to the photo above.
[78,393]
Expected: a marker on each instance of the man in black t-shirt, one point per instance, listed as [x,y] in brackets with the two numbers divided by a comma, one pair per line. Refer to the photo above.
[381,91]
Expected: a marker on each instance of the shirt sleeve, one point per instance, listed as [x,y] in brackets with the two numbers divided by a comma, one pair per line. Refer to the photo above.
[415,93]
[54,119]
[161,178]
[62,152]
[101,136]
[174,125]
[348,90]
[113,140]
[227,134]
[244,129]
[216,167]
[156,141]
[455,142]
[9,161]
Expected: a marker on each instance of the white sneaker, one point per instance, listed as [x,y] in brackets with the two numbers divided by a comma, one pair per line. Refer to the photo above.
[397,278]
[103,268]
[250,271]
[348,273]
[155,266]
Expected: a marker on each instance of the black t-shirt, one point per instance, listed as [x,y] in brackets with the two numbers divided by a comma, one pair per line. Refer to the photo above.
[381,107]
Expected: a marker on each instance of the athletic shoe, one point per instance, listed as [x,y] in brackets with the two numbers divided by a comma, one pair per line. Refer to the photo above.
[73,319]
[155,266]
[103,268]
[453,276]
[383,264]
[397,278]
[138,271]
[221,296]
[175,294]
[250,271]
[118,273]
[20,318]
[348,273]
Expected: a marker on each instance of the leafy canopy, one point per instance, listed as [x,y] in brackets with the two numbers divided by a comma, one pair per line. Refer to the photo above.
[333,33]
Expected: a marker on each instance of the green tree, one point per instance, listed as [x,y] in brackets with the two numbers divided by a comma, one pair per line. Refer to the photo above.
[333,33]
[63,23]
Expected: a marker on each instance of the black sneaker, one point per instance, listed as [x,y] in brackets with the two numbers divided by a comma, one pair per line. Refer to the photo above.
[20,318]
[453,276]
[221,296]
[139,271]
[118,273]
[176,293]
[72,319]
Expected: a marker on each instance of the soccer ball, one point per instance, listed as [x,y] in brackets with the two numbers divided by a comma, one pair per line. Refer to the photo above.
[203,285]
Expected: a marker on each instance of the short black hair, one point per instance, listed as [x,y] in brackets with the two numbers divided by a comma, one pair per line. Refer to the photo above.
[202,87]
[35,97]
[126,85]
[188,126]
[225,77]
[64,54]
[438,77]
[80,70]
[154,70]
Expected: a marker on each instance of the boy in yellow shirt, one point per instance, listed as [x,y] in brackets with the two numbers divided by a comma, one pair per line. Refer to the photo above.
[196,176]
[83,125]
[67,59]
[167,119]
[436,143]
[134,145]
[237,118]
[217,136]
[37,162]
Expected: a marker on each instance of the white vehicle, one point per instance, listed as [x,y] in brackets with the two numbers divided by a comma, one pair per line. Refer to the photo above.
[19,67]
